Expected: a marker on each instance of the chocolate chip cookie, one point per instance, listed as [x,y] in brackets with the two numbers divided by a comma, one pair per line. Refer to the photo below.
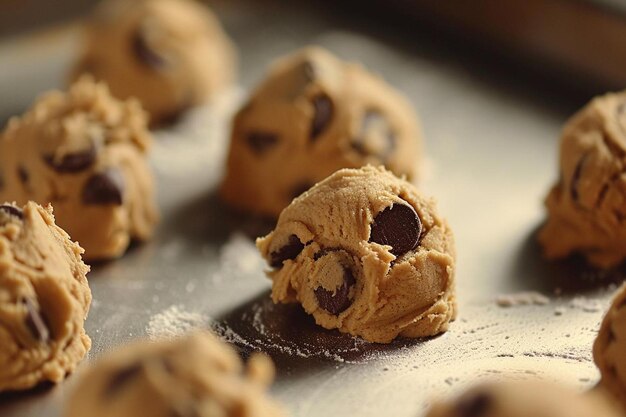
[44,299]
[364,252]
[85,153]
[313,115]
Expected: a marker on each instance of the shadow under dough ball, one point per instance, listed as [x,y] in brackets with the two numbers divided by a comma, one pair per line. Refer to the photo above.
[587,206]
[312,115]
[364,252]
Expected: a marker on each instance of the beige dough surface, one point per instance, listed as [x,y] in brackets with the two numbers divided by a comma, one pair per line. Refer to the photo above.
[365,253]
[526,399]
[609,350]
[169,54]
[85,153]
[312,115]
[44,299]
[587,207]
[194,376]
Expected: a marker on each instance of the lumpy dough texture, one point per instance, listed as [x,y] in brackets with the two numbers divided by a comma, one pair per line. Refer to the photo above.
[525,399]
[195,376]
[365,253]
[85,153]
[587,207]
[313,115]
[609,350]
[44,299]
[169,54]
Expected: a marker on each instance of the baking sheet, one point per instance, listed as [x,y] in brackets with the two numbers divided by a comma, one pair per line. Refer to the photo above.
[491,145]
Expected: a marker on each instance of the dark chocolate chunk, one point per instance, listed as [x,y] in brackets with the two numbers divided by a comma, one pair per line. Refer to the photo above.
[376,137]
[339,300]
[144,52]
[289,251]
[398,226]
[12,210]
[121,378]
[260,142]
[104,188]
[35,322]
[475,406]
[322,116]
[23,174]
[73,162]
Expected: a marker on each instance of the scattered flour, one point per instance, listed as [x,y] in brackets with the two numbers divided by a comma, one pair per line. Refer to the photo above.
[588,305]
[238,257]
[175,321]
[522,299]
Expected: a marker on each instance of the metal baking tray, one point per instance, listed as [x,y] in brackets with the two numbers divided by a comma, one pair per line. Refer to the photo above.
[491,143]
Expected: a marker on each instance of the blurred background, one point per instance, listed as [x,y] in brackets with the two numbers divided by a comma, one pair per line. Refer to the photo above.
[576,46]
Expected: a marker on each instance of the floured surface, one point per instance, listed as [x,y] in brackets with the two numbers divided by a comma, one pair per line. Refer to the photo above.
[493,153]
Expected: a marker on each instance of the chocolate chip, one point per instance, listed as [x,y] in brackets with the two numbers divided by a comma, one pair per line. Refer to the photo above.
[339,300]
[104,188]
[289,251]
[376,136]
[397,226]
[475,406]
[73,162]
[35,322]
[121,378]
[323,113]
[260,142]
[23,174]
[576,177]
[11,210]
[144,52]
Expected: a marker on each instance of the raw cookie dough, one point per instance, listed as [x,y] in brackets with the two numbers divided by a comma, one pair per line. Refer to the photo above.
[84,152]
[170,54]
[313,115]
[365,253]
[525,399]
[587,207]
[196,375]
[44,299]
[609,350]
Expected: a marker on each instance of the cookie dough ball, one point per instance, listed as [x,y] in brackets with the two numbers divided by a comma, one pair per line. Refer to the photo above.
[84,152]
[313,115]
[525,399]
[194,376]
[609,350]
[365,253]
[170,54]
[587,207]
[44,299]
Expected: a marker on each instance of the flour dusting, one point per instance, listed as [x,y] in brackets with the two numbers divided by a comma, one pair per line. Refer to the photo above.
[173,322]
[522,299]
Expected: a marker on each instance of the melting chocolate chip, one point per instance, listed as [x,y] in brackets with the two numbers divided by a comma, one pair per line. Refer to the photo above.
[475,406]
[289,251]
[73,162]
[260,142]
[576,177]
[12,211]
[339,300]
[35,322]
[376,137]
[23,174]
[301,188]
[398,226]
[323,114]
[144,52]
[121,378]
[104,188]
